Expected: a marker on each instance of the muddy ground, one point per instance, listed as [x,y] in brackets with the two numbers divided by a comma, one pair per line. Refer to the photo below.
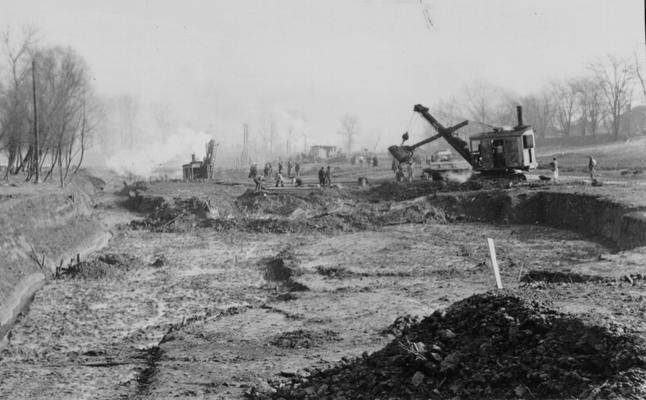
[226,294]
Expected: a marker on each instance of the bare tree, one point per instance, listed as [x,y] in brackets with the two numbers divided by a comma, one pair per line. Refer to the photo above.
[640,76]
[589,104]
[539,111]
[349,129]
[14,111]
[565,98]
[615,78]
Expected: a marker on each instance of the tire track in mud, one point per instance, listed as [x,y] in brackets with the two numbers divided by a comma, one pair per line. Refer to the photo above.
[154,355]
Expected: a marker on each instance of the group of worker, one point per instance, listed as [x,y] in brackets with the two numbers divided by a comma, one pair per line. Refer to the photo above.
[592,169]
[258,178]
[325,177]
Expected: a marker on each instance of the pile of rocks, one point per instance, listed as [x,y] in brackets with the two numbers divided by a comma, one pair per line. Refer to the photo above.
[493,345]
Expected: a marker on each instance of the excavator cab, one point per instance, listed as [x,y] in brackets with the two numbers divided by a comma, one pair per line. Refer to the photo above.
[504,150]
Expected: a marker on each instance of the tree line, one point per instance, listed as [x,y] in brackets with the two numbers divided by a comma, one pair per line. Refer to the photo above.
[598,101]
[46,108]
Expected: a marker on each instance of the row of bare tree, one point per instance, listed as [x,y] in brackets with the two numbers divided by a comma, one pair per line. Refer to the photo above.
[582,106]
[46,108]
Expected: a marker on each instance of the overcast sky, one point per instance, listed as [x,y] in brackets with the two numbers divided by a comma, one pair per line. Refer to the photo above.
[223,63]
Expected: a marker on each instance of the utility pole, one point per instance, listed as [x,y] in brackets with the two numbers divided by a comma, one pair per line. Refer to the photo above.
[36,152]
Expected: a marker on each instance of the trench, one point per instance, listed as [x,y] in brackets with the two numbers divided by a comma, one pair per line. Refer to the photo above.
[619,226]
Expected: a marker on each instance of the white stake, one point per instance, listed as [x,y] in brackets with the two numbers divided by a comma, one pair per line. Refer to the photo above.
[494,263]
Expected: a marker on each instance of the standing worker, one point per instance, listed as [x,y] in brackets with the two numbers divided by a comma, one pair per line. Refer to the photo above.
[253,171]
[410,171]
[280,166]
[328,177]
[555,169]
[322,177]
[592,166]
[297,169]
[289,168]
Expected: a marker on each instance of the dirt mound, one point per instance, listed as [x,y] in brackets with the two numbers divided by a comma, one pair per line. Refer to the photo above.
[397,191]
[303,339]
[286,203]
[179,215]
[105,266]
[488,346]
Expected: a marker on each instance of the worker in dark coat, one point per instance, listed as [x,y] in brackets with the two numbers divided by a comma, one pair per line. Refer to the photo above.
[280,166]
[322,176]
[328,177]
[297,169]
[289,168]
[253,171]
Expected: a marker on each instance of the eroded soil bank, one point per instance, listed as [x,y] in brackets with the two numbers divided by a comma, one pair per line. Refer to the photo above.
[42,230]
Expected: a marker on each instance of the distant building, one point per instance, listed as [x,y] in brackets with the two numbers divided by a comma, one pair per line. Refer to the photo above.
[324,152]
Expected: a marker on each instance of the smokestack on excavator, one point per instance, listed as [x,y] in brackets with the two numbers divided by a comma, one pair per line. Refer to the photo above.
[519,114]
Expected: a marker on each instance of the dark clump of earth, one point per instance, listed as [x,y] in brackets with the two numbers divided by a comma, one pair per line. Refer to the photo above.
[303,339]
[487,346]
[280,271]
[104,266]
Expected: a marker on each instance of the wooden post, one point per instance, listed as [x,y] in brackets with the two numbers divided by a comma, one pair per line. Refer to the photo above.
[36,152]
[494,263]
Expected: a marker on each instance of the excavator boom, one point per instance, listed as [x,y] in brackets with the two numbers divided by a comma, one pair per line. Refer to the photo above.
[405,153]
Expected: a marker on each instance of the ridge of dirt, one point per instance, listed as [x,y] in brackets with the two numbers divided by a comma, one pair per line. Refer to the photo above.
[492,345]
[103,266]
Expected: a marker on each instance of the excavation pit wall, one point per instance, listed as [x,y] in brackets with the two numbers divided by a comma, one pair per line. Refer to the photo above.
[51,227]
[619,225]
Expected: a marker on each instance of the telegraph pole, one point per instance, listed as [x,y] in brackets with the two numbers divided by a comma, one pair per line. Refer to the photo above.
[36,152]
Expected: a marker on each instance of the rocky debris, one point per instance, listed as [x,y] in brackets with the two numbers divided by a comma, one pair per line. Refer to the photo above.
[492,345]
[303,339]
[104,266]
[400,325]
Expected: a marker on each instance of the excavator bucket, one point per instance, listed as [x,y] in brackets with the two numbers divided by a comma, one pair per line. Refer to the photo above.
[401,153]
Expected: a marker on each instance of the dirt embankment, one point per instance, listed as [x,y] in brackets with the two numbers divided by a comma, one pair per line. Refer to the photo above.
[619,223]
[41,231]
